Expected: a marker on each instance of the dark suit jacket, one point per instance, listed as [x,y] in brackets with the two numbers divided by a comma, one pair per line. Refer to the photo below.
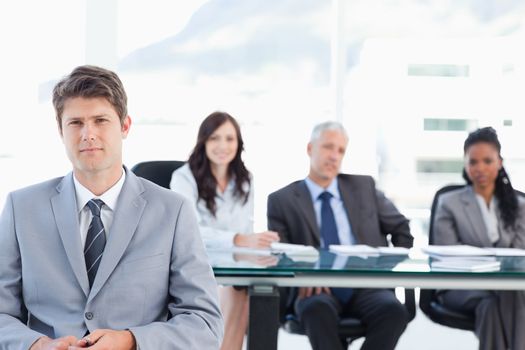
[372,216]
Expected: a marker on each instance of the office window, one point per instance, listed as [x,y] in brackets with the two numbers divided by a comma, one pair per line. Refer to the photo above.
[437,70]
[454,166]
[269,64]
[507,69]
[437,124]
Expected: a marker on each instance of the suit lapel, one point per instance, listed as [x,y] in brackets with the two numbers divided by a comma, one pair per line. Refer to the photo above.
[130,206]
[351,200]
[65,210]
[473,213]
[304,203]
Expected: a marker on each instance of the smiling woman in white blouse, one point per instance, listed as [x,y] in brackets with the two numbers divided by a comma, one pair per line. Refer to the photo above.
[216,180]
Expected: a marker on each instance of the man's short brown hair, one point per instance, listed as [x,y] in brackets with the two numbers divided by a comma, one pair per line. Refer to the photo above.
[90,82]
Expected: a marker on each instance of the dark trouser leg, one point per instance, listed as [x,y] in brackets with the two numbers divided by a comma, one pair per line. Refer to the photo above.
[319,315]
[384,316]
[485,306]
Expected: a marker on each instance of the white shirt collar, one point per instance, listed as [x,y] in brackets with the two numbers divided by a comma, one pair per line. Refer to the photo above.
[109,197]
[316,190]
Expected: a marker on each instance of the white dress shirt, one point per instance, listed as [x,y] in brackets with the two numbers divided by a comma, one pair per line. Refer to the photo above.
[490,216]
[109,198]
[232,214]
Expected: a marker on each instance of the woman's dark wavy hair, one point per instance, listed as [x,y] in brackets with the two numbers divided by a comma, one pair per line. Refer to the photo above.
[200,164]
[507,198]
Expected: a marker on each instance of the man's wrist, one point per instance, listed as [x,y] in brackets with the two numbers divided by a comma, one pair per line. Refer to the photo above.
[37,345]
[133,344]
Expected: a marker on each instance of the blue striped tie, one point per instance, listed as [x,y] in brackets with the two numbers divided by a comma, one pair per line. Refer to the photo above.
[95,240]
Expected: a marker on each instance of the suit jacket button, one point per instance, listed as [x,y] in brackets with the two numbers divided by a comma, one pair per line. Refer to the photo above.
[89,315]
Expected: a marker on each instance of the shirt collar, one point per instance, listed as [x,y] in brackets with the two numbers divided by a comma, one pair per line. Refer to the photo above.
[316,190]
[230,187]
[493,205]
[109,197]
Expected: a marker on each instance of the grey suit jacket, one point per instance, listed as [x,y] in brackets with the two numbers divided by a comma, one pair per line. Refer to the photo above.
[372,216]
[458,220]
[154,277]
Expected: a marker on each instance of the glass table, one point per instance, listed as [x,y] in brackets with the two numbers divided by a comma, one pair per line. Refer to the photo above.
[264,273]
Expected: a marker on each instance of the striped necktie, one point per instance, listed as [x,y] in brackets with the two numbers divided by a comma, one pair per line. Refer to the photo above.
[95,240]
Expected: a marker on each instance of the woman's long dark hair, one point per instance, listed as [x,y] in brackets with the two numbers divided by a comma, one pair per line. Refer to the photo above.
[504,192]
[200,164]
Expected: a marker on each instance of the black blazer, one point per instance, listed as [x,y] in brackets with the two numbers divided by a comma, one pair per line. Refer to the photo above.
[372,216]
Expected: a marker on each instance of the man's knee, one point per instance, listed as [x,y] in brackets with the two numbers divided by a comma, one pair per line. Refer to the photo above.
[395,313]
[318,308]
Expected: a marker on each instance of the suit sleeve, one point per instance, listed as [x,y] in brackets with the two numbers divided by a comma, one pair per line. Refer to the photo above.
[196,321]
[14,334]
[276,218]
[444,228]
[393,222]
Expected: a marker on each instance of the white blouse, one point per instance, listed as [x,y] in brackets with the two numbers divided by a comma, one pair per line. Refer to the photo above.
[232,214]
[490,216]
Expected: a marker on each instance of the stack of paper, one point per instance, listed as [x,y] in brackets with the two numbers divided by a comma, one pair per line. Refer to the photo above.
[250,251]
[470,265]
[467,250]
[455,250]
[507,251]
[294,249]
[362,249]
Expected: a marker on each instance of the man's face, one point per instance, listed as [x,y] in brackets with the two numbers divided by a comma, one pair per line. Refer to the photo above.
[326,154]
[92,134]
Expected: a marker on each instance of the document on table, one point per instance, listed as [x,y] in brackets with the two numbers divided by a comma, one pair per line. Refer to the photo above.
[469,265]
[294,249]
[455,250]
[275,248]
[467,250]
[251,251]
[507,251]
[362,249]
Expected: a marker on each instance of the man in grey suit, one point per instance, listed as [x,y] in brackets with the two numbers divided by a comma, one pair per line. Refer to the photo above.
[100,258]
[332,208]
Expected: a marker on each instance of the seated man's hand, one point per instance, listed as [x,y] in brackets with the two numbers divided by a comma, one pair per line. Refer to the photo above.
[46,343]
[107,339]
[306,292]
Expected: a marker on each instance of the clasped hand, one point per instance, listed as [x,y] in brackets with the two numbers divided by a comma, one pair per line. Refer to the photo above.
[100,339]
[306,292]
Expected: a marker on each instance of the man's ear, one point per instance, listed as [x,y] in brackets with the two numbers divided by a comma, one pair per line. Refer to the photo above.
[126,125]
[60,130]
[309,149]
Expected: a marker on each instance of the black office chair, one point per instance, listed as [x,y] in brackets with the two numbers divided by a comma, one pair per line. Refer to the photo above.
[428,301]
[158,171]
[350,328]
